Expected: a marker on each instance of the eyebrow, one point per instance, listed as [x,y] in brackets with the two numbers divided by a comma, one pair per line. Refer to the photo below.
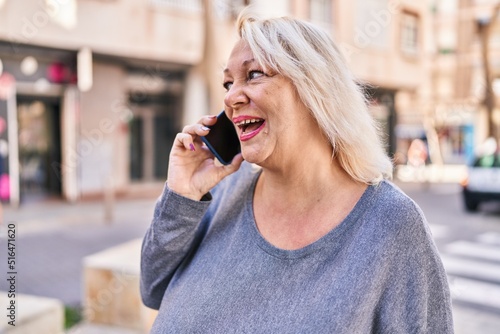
[245,63]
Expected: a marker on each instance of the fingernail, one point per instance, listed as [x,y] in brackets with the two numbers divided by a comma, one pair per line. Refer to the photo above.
[191,146]
[212,116]
[204,128]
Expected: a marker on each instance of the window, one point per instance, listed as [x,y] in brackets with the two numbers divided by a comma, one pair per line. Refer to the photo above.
[409,34]
[320,11]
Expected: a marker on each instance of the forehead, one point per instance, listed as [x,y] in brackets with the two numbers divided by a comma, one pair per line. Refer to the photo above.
[241,56]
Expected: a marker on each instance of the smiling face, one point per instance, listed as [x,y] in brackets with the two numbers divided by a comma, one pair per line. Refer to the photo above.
[271,119]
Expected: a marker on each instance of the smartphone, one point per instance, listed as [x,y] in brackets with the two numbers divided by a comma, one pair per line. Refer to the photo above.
[222,140]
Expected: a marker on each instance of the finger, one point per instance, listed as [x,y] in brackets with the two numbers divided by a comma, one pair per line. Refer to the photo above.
[237,160]
[234,165]
[208,120]
[184,140]
[196,129]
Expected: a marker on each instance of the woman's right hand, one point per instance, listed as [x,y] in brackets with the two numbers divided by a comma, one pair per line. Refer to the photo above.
[192,169]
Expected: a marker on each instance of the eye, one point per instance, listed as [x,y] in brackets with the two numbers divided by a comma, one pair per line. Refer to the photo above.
[227,85]
[255,74]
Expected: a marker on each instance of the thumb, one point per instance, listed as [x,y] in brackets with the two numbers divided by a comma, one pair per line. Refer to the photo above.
[233,166]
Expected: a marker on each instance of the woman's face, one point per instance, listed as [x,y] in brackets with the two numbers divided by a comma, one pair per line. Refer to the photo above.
[271,120]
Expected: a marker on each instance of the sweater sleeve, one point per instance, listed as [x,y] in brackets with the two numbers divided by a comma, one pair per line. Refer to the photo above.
[167,241]
[416,297]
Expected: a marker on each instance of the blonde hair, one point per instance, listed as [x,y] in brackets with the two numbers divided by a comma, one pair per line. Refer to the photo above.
[309,57]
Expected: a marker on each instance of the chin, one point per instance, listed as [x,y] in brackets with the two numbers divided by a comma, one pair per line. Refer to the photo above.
[252,157]
[257,159]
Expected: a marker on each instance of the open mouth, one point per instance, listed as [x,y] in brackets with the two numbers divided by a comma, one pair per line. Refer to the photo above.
[250,127]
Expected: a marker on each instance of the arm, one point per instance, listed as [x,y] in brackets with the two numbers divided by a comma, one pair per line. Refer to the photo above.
[172,234]
[168,240]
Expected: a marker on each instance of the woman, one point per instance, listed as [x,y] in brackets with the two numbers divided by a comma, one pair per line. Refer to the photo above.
[305,236]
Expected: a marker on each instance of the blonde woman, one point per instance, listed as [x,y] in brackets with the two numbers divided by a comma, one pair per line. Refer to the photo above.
[304,236]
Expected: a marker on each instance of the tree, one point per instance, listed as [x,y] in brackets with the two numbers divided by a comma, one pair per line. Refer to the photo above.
[485,26]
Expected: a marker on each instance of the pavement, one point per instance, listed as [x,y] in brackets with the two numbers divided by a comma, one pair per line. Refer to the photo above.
[53,237]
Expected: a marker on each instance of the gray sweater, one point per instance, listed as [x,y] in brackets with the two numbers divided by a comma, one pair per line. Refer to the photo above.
[208,270]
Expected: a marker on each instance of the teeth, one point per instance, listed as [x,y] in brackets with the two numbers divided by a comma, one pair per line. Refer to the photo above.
[248,121]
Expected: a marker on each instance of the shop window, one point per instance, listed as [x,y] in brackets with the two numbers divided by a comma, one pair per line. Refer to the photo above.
[39,146]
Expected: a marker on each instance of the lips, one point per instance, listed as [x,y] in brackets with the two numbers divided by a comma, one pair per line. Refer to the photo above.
[249,126]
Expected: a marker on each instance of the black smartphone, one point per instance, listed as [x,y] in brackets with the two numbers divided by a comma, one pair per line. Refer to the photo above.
[222,140]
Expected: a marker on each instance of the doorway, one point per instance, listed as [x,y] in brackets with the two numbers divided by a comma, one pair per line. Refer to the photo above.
[39,120]
[152,133]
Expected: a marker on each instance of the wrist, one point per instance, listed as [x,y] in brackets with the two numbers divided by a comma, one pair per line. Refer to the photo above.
[188,193]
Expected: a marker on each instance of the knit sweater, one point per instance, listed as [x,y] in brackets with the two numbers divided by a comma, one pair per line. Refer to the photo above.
[207,268]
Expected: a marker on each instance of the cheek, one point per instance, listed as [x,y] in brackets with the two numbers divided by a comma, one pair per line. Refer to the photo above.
[276,89]
[276,98]
[269,93]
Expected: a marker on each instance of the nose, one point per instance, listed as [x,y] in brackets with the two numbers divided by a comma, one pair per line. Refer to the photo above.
[235,97]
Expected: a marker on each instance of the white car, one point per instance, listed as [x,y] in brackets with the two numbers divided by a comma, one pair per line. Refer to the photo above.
[483,182]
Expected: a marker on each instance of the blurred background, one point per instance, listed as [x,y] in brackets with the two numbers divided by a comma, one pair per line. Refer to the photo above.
[92,93]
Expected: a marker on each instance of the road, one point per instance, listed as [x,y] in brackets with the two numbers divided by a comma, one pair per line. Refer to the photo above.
[469,244]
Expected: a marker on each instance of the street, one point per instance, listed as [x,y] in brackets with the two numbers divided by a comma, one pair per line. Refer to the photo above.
[469,244]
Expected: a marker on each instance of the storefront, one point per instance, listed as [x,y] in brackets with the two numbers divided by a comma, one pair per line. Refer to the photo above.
[449,136]
[40,77]
[67,143]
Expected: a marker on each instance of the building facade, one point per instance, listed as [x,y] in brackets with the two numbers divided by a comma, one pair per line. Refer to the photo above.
[94,91]
[99,90]
[464,75]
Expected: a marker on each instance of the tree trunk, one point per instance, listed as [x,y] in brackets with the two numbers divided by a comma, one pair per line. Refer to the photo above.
[489,96]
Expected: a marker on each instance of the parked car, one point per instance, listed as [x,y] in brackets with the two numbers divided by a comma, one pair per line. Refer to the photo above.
[482,183]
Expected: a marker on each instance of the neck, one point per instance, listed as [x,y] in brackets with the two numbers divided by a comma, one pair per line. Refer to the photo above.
[305,182]
[299,205]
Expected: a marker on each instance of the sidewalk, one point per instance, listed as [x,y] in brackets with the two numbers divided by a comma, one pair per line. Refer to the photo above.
[53,237]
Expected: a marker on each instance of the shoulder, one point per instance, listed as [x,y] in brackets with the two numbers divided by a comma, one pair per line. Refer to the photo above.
[398,230]
[392,202]
[396,216]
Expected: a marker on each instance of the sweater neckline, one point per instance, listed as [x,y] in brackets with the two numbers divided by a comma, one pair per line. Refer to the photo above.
[332,238]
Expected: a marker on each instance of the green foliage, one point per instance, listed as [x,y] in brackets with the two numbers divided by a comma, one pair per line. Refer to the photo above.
[72,316]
